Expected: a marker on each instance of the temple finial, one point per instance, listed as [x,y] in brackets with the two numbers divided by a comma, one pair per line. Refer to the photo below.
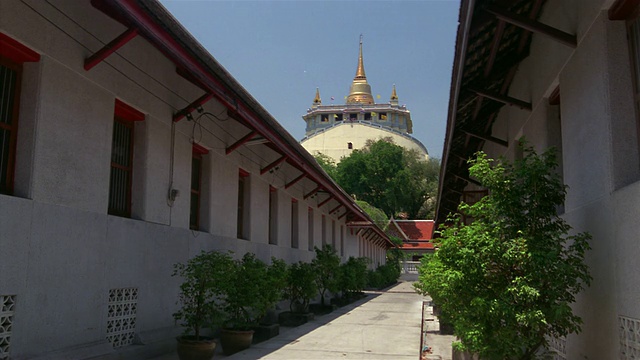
[317,99]
[360,92]
[394,95]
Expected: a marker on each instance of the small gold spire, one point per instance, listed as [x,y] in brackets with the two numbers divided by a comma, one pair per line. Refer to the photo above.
[360,92]
[317,100]
[394,95]
[360,71]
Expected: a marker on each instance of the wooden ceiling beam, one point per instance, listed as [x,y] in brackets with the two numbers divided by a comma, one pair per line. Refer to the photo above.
[487,138]
[502,98]
[533,26]
[239,143]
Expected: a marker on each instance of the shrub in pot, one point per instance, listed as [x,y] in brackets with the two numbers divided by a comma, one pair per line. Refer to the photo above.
[252,288]
[202,276]
[352,279]
[326,268]
[300,288]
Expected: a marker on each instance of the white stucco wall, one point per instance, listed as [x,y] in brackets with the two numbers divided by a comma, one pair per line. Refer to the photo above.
[600,160]
[60,253]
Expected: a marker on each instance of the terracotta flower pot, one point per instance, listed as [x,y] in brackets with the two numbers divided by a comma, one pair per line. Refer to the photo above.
[233,341]
[191,349]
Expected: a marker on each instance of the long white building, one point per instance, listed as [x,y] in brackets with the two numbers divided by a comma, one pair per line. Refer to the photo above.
[562,73]
[125,147]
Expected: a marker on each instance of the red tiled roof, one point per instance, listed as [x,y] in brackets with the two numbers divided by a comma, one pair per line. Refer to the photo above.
[418,245]
[416,229]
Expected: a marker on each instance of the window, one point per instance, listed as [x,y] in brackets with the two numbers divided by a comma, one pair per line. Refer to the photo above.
[243,205]
[383,116]
[353,116]
[633,28]
[9,96]
[323,224]
[310,229]
[341,240]
[324,117]
[273,216]
[350,146]
[333,234]
[12,55]
[294,223]
[122,159]
[367,116]
[196,186]
[338,117]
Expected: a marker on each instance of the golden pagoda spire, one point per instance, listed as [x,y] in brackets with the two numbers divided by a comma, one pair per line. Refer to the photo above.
[394,95]
[360,71]
[360,92]
[317,100]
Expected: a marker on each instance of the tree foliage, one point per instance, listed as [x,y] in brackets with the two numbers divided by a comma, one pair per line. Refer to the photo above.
[388,177]
[507,280]
[326,266]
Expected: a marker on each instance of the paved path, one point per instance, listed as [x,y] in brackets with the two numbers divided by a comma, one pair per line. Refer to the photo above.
[384,325]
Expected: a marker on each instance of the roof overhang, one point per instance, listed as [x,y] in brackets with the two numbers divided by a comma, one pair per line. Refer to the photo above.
[493,38]
[154,23]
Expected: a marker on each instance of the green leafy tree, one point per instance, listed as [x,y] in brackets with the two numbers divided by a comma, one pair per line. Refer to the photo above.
[300,286]
[327,164]
[326,266]
[378,216]
[391,178]
[507,280]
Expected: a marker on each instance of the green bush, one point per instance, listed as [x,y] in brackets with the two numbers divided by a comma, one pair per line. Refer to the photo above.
[353,276]
[300,286]
[326,267]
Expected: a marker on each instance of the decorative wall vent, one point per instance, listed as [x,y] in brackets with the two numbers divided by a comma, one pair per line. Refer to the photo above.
[558,347]
[629,338]
[7,305]
[121,316]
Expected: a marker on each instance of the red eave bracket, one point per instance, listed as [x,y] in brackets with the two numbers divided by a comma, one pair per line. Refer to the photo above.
[335,209]
[343,215]
[239,143]
[15,51]
[312,192]
[325,201]
[272,165]
[292,182]
[191,107]
[110,48]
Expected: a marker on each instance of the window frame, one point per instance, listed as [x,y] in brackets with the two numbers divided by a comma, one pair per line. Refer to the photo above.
[310,229]
[127,116]
[295,224]
[13,127]
[632,17]
[273,215]
[242,227]
[196,156]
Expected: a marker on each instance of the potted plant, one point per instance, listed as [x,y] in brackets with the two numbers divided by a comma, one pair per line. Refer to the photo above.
[202,276]
[251,290]
[326,268]
[352,280]
[300,288]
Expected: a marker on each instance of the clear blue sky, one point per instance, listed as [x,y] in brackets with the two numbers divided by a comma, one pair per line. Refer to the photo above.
[280,51]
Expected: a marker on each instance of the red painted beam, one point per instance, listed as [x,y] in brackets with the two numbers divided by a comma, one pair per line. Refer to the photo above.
[334,209]
[191,107]
[272,165]
[239,143]
[292,182]
[15,51]
[343,215]
[325,201]
[110,48]
[312,192]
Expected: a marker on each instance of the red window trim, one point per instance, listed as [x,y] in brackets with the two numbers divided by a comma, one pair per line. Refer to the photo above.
[243,173]
[15,51]
[199,149]
[196,154]
[128,113]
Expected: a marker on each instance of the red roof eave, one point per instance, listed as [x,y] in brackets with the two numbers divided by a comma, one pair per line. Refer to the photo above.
[222,86]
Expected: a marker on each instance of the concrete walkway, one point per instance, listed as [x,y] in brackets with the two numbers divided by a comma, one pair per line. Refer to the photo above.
[384,325]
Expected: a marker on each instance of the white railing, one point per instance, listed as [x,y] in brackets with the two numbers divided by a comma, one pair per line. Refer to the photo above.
[410,267]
